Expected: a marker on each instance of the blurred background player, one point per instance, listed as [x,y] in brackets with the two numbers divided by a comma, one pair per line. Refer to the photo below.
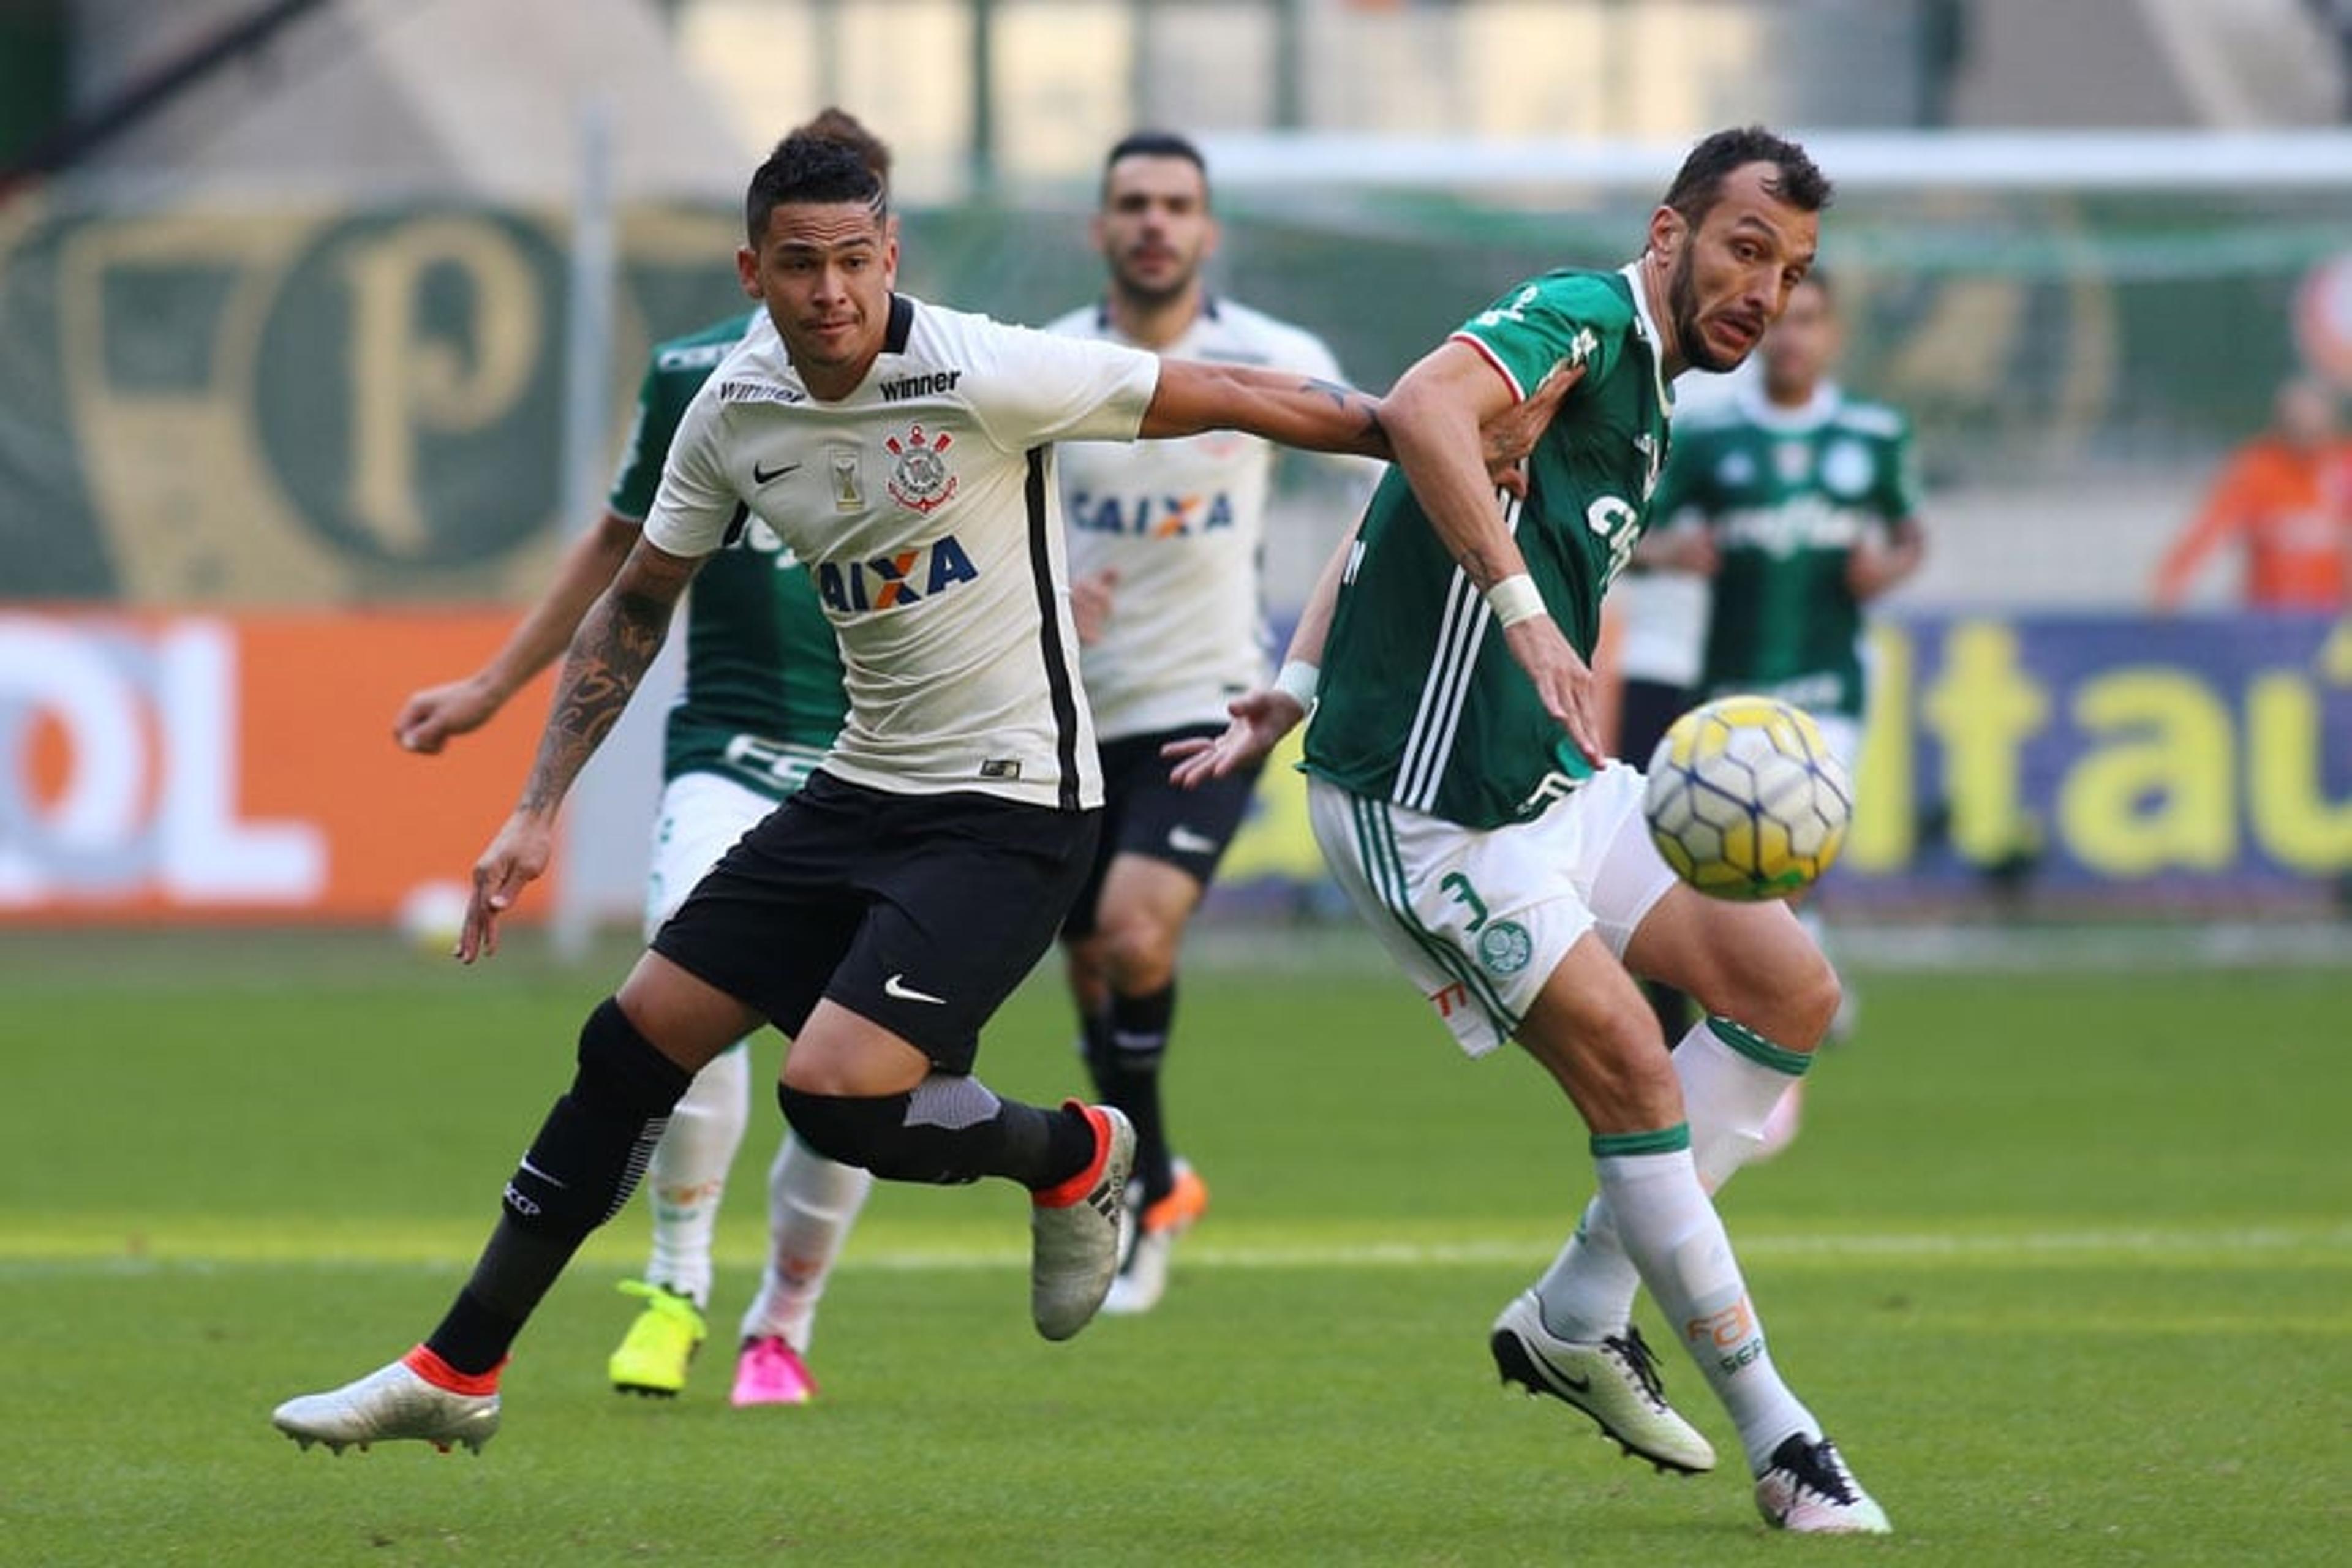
[1799,503]
[1165,539]
[2284,500]
[762,700]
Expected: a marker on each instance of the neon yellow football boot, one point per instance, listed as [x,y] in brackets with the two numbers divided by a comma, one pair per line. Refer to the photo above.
[660,1345]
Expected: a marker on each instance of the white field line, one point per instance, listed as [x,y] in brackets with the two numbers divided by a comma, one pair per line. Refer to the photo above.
[2317,1246]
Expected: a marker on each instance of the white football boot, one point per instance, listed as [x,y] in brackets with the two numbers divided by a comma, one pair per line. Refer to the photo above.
[387,1403]
[1807,1490]
[1076,1230]
[1613,1380]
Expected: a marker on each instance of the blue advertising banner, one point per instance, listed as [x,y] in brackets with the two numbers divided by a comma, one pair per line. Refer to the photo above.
[2118,760]
[2123,765]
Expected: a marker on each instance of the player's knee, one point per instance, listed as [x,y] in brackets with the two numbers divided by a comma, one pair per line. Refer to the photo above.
[846,1129]
[1811,1000]
[1791,1006]
[621,1071]
[1139,952]
[1786,992]
[881,1133]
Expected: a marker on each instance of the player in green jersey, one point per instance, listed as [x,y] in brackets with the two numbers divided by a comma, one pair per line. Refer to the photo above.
[1800,502]
[762,700]
[1458,788]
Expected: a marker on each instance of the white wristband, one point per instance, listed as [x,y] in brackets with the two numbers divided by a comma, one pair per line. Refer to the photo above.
[1297,681]
[1515,599]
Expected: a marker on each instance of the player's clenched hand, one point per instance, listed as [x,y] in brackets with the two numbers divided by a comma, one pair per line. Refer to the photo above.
[518,856]
[1259,721]
[430,717]
[1564,681]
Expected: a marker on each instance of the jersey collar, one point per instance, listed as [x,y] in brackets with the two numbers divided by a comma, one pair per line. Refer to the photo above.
[1647,328]
[895,333]
[1765,414]
[1106,328]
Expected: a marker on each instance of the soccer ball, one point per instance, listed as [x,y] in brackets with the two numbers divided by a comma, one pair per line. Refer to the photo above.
[1745,799]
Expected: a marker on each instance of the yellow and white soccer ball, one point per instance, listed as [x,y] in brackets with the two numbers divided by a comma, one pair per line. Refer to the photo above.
[1746,800]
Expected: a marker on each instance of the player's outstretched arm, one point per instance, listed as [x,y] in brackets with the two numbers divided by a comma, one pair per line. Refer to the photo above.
[1296,410]
[610,653]
[1434,418]
[1323,416]
[432,715]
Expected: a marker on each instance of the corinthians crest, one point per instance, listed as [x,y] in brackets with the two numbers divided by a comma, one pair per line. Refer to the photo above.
[920,479]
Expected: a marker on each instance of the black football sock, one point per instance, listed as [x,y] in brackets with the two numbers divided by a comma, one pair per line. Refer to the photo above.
[1139,1037]
[586,1161]
[949,1129]
[1093,1041]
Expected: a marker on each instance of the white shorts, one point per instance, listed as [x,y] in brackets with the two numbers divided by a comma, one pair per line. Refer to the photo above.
[1478,919]
[702,815]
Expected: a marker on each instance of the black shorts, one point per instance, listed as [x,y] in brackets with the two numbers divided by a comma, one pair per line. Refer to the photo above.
[1143,813]
[918,912]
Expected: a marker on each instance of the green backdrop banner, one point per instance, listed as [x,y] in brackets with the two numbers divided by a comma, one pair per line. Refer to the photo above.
[361,404]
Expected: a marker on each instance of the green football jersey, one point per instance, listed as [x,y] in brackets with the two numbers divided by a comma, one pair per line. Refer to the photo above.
[762,698]
[1786,494]
[1421,704]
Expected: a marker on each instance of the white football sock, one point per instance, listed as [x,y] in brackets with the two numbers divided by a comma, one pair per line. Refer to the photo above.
[811,1203]
[1678,1242]
[1732,1079]
[688,1171]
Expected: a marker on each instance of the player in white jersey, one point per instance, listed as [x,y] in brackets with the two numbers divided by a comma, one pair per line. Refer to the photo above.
[879,915]
[1165,543]
[761,700]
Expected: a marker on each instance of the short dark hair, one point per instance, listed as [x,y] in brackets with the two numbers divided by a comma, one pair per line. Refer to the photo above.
[835,123]
[1154,144]
[1699,184]
[807,166]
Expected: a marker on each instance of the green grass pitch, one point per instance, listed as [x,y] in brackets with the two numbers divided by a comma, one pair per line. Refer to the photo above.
[2064,1262]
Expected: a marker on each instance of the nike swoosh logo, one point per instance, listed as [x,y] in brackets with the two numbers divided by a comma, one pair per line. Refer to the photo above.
[542,1175]
[761,476]
[1185,841]
[896,986]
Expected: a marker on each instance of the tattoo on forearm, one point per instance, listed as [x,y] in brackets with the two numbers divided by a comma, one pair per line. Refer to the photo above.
[1333,390]
[610,655]
[1348,398]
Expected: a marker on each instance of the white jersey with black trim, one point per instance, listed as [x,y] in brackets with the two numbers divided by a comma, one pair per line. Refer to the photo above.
[1183,522]
[924,506]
